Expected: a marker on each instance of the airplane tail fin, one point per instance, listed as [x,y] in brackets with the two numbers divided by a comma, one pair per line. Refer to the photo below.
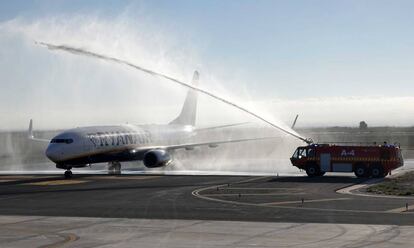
[31,136]
[189,110]
[30,131]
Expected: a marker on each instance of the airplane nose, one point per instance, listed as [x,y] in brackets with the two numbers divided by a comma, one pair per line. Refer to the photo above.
[51,153]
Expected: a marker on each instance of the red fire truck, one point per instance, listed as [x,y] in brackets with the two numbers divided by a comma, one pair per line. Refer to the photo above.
[364,161]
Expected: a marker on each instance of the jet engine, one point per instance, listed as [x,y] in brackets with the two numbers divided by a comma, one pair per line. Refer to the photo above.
[156,158]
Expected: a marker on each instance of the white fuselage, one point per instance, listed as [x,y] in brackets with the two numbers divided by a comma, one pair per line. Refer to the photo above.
[79,147]
[85,145]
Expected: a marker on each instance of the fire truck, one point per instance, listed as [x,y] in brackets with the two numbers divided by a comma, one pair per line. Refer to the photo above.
[364,160]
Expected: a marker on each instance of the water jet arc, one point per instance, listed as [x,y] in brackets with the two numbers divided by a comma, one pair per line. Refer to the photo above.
[83,52]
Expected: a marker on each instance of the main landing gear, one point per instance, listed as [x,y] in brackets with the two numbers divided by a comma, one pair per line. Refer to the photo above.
[68,174]
[114,168]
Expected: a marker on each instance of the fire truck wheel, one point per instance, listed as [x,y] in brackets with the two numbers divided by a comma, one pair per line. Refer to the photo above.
[361,170]
[377,171]
[312,170]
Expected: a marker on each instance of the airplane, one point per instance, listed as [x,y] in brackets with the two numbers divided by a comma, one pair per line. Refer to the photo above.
[152,144]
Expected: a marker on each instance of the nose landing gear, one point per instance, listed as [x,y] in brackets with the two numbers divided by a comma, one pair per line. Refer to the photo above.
[68,174]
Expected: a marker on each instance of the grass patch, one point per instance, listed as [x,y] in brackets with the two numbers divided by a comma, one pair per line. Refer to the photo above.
[402,185]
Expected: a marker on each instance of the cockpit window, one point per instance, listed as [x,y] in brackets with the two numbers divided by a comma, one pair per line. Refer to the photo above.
[62,141]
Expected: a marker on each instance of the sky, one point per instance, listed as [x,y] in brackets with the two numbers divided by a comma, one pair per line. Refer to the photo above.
[333,62]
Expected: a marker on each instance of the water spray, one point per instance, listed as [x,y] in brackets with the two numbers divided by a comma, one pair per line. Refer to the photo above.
[83,52]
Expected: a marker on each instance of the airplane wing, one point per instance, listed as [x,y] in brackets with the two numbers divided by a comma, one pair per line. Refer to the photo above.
[138,152]
[219,127]
[214,144]
[190,146]
[30,135]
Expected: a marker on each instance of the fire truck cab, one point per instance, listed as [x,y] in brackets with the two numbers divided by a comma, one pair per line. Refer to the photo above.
[364,161]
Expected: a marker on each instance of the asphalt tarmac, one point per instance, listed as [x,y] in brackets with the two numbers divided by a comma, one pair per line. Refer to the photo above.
[296,199]
[41,231]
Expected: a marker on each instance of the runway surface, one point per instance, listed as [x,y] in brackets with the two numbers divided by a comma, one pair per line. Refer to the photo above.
[270,199]
[35,231]
[45,210]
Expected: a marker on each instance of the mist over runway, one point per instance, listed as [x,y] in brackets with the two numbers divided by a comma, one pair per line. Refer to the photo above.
[266,157]
[239,198]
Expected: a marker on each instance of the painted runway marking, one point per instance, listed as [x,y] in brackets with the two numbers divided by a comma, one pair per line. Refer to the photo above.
[15,177]
[6,181]
[12,178]
[349,189]
[252,194]
[57,182]
[21,179]
[197,193]
[123,177]
[290,189]
[402,209]
[354,190]
[306,201]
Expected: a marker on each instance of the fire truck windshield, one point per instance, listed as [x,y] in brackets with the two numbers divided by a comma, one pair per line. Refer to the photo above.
[300,153]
